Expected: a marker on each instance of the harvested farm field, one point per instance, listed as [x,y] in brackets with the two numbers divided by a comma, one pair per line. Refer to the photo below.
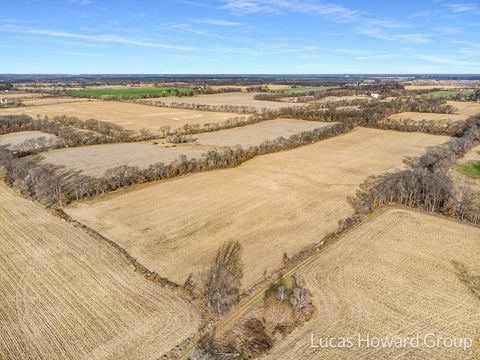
[472,155]
[130,91]
[19,95]
[437,86]
[130,116]
[399,274]
[255,134]
[51,101]
[17,138]
[228,99]
[464,111]
[276,203]
[466,108]
[96,159]
[66,295]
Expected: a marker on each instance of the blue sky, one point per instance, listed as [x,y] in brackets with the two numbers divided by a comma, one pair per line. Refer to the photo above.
[239,36]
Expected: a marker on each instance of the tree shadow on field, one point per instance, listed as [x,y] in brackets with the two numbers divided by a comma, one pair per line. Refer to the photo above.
[470,280]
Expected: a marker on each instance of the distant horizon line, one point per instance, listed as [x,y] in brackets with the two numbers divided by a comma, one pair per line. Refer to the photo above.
[230,74]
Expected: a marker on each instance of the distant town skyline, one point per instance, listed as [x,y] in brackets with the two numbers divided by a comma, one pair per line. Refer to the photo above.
[239,36]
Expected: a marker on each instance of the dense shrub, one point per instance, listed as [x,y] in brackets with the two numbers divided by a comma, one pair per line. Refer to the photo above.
[426,184]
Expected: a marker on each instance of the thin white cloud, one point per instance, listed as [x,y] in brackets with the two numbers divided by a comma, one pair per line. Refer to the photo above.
[366,24]
[81,2]
[462,8]
[217,22]
[105,38]
[304,6]
[373,57]
[413,38]
[445,60]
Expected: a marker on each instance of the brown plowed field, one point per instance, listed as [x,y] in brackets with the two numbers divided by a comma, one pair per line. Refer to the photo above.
[272,204]
[130,116]
[95,160]
[65,295]
[233,99]
[401,273]
[464,111]
[17,138]
[258,133]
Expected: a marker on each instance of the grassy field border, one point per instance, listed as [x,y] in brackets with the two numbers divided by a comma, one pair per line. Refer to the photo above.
[471,169]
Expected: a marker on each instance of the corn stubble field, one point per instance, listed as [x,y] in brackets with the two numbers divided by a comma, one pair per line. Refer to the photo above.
[396,275]
[237,99]
[66,295]
[17,138]
[95,160]
[464,111]
[272,204]
[251,135]
[133,117]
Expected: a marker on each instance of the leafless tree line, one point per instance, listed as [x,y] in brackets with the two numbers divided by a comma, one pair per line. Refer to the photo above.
[436,127]
[36,145]
[221,90]
[10,103]
[426,184]
[180,139]
[362,101]
[68,187]
[71,130]
[205,107]
[231,123]
[382,90]
[374,115]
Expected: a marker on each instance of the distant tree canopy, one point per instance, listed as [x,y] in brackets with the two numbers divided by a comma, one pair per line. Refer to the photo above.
[5,86]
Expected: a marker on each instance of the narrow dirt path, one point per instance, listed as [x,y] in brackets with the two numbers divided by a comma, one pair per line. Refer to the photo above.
[235,314]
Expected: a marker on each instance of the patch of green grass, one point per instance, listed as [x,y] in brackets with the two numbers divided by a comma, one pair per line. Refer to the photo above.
[471,168]
[447,93]
[130,92]
[304,89]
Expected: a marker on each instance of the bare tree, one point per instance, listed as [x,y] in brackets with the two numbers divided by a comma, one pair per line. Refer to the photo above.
[221,283]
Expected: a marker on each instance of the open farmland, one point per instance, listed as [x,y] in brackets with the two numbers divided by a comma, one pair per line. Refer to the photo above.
[333,99]
[96,159]
[271,87]
[399,274]
[439,86]
[447,93]
[19,95]
[272,204]
[233,99]
[463,112]
[51,101]
[466,108]
[258,133]
[17,138]
[129,116]
[418,116]
[66,295]
[132,91]
[304,89]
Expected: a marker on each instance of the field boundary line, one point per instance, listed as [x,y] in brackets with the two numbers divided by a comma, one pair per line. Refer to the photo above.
[225,323]
[140,268]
